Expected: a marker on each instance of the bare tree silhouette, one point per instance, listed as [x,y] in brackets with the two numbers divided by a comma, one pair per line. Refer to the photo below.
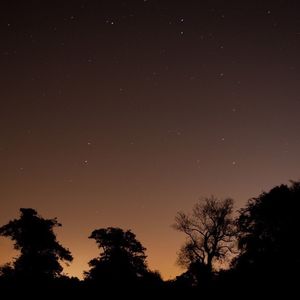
[210,233]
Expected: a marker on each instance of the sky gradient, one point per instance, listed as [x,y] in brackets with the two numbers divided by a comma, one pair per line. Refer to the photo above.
[121,113]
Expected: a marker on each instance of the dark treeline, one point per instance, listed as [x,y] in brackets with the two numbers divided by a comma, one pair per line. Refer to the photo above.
[255,251]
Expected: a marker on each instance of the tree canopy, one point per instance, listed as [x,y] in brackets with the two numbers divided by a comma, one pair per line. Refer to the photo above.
[268,231]
[122,259]
[265,233]
[40,252]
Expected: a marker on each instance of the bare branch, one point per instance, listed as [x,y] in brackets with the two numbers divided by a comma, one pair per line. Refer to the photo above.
[210,231]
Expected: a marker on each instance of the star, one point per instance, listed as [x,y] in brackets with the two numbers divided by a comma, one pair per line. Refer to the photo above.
[110,22]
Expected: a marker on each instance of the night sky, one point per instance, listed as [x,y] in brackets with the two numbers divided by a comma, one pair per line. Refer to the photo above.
[121,113]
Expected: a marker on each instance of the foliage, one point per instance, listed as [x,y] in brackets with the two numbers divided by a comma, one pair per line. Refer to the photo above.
[40,252]
[268,235]
[122,258]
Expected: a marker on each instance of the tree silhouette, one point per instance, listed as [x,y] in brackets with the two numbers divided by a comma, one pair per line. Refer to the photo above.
[122,259]
[268,237]
[267,232]
[41,253]
[210,235]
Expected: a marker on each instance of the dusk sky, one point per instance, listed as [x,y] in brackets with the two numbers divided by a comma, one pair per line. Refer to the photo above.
[121,113]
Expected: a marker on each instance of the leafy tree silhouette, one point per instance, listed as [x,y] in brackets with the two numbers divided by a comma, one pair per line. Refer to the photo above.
[210,233]
[268,238]
[41,253]
[122,261]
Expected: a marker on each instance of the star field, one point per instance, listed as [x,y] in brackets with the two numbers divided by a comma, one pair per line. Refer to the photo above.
[121,113]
